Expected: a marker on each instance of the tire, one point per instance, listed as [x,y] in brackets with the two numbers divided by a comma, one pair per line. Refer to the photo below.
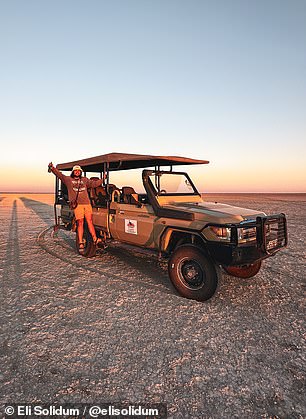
[192,273]
[90,248]
[246,271]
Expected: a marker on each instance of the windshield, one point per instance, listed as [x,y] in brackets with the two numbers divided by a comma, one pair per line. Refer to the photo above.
[172,184]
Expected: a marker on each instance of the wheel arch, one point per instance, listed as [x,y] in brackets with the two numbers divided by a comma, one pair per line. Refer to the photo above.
[172,237]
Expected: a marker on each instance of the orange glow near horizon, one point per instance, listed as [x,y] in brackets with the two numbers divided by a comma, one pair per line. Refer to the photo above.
[207,179]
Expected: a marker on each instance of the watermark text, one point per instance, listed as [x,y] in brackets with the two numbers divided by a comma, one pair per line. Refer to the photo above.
[86,411]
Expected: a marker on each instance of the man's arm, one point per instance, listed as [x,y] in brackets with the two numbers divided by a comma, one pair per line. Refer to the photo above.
[57,172]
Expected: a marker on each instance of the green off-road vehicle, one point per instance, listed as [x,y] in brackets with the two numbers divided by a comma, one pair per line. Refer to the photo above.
[172,219]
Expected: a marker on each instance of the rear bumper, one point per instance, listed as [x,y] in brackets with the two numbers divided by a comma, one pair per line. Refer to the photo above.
[271,236]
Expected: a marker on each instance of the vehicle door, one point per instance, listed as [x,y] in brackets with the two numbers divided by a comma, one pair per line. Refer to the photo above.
[132,223]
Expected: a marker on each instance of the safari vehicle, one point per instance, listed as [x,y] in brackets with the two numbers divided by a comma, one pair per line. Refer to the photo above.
[172,219]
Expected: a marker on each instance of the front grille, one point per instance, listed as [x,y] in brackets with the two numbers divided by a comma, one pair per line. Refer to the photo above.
[275,233]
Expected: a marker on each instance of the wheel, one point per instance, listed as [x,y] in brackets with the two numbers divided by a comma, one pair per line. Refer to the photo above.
[192,273]
[90,248]
[246,271]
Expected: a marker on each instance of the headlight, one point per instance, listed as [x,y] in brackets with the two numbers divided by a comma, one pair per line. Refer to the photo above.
[217,233]
[246,234]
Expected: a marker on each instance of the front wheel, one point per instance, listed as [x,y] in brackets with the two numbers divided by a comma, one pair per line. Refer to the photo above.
[192,273]
[246,271]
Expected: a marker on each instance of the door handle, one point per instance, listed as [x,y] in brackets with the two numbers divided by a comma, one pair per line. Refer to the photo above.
[121,212]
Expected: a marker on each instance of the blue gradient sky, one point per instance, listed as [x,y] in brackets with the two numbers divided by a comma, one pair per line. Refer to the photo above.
[219,80]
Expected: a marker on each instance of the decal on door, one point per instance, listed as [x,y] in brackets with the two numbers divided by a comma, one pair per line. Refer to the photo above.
[130,226]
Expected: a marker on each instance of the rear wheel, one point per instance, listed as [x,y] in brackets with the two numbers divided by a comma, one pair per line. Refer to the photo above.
[192,273]
[246,271]
[89,247]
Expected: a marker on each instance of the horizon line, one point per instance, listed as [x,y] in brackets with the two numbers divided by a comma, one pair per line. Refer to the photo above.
[202,193]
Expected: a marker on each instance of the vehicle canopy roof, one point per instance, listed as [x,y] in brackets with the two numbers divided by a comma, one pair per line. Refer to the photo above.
[124,161]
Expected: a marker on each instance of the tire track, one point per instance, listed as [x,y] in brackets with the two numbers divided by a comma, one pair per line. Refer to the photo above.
[126,259]
[109,277]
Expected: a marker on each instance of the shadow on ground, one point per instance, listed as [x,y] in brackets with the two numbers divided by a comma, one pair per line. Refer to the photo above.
[12,269]
[149,267]
[44,211]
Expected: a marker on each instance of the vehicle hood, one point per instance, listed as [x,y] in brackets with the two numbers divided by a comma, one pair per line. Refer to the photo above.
[215,212]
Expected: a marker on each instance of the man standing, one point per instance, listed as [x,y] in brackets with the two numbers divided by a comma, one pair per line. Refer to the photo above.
[77,192]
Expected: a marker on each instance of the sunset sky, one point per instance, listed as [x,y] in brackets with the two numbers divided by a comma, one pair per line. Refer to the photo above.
[221,80]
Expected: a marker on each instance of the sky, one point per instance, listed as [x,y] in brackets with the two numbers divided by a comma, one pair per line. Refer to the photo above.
[220,80]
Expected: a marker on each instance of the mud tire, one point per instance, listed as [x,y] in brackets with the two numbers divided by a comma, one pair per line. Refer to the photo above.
[193,274]
[247,271]
[90,248]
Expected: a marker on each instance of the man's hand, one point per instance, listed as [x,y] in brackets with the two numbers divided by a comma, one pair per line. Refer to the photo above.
[50,167]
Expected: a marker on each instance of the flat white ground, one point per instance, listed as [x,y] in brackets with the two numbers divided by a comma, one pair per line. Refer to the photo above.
[113,328]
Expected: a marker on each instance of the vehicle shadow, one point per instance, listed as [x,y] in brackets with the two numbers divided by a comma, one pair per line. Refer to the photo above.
[145,265]
[44,211]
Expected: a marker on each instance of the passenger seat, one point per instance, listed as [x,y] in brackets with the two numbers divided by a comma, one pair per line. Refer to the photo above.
[129,195]
[98,194]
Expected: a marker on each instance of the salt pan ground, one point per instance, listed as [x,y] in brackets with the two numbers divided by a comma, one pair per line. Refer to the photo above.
[113,328]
